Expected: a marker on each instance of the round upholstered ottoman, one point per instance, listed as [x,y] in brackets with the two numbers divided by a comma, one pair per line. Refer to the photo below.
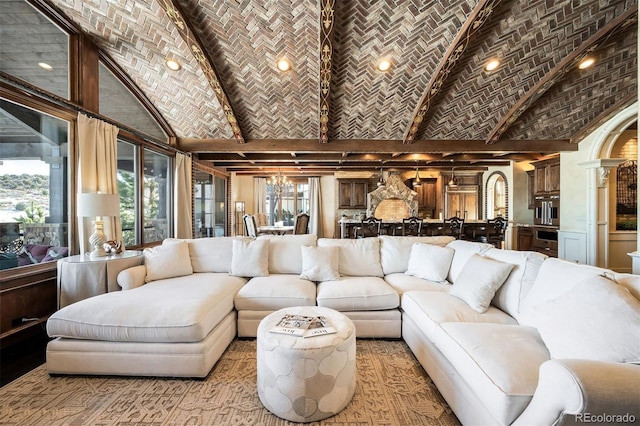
[306,379]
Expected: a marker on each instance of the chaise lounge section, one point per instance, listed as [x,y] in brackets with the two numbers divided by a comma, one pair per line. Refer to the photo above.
[495,329]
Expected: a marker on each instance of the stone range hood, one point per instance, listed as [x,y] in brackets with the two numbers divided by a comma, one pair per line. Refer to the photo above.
[395,200]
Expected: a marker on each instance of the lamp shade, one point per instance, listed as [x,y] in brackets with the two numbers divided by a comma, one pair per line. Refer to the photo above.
[95,204]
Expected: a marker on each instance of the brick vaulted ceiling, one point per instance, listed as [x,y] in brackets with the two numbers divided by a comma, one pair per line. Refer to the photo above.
[231,106]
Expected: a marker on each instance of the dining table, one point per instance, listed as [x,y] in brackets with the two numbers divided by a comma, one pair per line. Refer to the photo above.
[275,230]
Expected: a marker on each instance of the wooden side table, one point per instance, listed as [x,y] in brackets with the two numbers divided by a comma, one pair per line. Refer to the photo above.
[80,277]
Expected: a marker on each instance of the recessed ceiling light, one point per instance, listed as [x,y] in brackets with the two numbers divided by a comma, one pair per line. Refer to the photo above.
[586,63]
[384,65]
[173,64]
[492,64]
[45,66]
[283,65]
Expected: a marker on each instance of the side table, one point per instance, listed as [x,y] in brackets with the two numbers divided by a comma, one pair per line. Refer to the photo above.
[80,276]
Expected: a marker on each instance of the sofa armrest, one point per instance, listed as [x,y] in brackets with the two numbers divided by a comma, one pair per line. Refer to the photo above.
[132,277]
[572,391]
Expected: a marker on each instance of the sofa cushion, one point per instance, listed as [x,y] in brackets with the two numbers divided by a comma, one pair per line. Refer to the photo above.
[429,262]
[357,294]
[320,263]
[402,283]
[171,259]
[250,258]
[500,363]
[428,309]
[211,254]
[181,309]
[463,251]
[275,292]
[629,281]
[519,282]
[358,258]
[395,250]
[597,320]
[285,256]
[479,280]
[556,277]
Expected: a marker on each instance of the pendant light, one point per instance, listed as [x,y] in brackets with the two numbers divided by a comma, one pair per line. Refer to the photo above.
[380,182]
[416,181]
[453,182]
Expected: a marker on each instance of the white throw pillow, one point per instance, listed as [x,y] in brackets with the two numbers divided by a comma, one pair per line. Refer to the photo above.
[597,319]
[169,260]
[250,258]
[430,262]
[479,280]
[320,263]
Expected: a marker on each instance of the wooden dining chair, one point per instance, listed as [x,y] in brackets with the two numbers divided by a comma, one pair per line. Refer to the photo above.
[453,227]
[412,226]
[301,224]
[495,231]
[369,227]
[250,228]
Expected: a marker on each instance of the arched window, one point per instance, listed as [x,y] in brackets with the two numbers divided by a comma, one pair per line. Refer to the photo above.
[496,196]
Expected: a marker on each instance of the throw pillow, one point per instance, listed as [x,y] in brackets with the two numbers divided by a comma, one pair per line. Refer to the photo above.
[429,262]
[479,280]
[597,319]
[250,258]
[167,261]
[320,263]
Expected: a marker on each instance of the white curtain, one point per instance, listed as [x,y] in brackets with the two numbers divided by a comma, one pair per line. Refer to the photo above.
[260,195]
[183,221]
[97,172]
[315,207]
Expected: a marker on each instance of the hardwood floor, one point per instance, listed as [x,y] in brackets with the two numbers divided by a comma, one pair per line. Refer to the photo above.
[22,357]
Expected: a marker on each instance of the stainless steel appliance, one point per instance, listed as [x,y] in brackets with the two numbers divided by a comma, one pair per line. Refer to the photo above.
[547,210]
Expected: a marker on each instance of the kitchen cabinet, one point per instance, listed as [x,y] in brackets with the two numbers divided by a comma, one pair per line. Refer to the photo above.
[525,238]
[352,193]
[547,176]
[427,198]
[462,204]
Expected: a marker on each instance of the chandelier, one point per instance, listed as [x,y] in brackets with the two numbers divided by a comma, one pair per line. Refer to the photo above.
[278,182]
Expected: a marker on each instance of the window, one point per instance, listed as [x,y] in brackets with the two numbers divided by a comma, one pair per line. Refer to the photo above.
[285,202]
[128,189]
[33,49]
[210,205]
[627,196]
[496,197]
[156,198]
[33,186]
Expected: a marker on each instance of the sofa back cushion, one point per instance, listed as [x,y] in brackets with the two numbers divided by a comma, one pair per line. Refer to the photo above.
[285,252]
[629,281]
[358,258]
[463,251]
[556,277]
[520,280]
[211,254]
[395,251]
[169,260]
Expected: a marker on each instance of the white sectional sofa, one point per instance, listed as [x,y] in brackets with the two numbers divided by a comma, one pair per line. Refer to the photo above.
[508,337]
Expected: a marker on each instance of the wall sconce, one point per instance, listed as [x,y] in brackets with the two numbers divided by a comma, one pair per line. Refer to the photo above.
[98,205]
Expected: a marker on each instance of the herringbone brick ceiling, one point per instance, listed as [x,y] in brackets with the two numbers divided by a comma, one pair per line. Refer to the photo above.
[230,104]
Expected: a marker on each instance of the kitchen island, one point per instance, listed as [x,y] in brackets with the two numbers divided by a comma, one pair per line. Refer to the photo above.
[473,230]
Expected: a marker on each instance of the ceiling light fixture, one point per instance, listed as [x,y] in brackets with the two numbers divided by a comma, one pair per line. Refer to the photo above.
[380,182]
[283,64]
[586,63]
[45,66]
[173,64]
[453,182]
[384,65]
[416,181]
[492,64]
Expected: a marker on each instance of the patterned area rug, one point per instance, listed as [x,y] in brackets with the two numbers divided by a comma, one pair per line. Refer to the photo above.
[392,389]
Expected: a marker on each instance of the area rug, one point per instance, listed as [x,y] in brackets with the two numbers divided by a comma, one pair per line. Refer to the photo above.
[392,389]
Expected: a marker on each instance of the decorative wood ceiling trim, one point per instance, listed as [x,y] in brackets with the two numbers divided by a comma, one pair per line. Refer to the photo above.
[175,14]
[326,52]
[478,17]
[604,117]
[560,70]
[389,146]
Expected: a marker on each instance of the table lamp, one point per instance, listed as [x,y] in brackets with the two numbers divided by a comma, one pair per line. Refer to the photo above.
[98,205]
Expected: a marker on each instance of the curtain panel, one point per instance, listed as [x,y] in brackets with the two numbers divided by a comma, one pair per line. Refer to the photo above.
[183,225]
[315,207]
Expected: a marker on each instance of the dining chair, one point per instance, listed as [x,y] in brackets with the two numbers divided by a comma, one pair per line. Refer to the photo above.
[301,224]
[412,226]
[453,227]
[250,228]
[495,231]
[369,227]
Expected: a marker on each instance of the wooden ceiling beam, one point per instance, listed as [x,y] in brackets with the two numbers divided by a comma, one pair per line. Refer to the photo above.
[558,72]
[476,19]
[362,146]
[177,17]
